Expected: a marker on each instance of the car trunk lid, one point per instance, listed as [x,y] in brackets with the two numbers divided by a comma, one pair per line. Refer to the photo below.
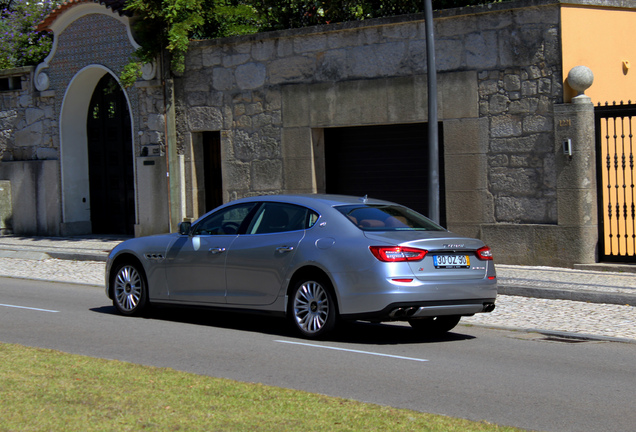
[449,256]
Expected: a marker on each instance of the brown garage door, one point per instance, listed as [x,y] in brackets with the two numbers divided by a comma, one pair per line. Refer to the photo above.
[388,162]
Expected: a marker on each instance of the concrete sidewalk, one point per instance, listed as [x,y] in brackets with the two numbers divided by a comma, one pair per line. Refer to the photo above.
[598,283]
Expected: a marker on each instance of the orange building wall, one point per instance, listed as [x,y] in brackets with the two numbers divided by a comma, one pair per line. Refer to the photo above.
[600,39]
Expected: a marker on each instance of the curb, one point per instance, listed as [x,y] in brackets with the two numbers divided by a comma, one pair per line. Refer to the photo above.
[607,267]
[574,337]
[565,294]
[53,281]
[25,255]
[79,256]
[39,256]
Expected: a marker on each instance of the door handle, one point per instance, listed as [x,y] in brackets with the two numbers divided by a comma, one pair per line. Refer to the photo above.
[283,249]
[217,250]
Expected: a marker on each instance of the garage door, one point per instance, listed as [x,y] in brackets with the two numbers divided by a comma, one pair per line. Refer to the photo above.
[387,162]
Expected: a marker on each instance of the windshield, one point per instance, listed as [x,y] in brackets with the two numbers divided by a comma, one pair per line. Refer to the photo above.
[369,217]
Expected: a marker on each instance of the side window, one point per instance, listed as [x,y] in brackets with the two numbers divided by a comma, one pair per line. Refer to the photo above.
[312,218]
[224,222]
[278,217]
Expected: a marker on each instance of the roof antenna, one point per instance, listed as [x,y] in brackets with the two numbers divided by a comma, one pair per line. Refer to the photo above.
[365,198]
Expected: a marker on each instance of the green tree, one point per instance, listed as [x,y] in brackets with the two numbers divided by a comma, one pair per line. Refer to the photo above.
[20,43]
[171,24]
[285,14]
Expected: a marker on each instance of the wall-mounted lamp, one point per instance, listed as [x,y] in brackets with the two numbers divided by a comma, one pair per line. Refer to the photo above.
[626,67]
[567,147]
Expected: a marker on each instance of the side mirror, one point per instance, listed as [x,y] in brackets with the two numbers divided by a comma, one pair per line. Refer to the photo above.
[184,228]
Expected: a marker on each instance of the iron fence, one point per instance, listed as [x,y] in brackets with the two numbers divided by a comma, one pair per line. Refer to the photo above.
[616,180]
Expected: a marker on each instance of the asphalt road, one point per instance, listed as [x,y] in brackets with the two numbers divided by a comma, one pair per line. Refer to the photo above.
[509,378]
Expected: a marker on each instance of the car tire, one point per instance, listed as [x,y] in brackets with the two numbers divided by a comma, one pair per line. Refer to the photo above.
[130,289]
[312,309]
[435,326]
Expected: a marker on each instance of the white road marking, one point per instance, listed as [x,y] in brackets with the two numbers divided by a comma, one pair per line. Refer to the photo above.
[353,351]
[29,308]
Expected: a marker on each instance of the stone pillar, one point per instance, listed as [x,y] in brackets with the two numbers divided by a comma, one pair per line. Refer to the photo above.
[153,201]
[576,173]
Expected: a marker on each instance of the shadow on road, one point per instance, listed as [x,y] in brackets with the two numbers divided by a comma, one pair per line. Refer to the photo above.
[356,332]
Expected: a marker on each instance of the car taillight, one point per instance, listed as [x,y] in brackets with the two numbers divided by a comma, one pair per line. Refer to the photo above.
[484,253]
[397,253]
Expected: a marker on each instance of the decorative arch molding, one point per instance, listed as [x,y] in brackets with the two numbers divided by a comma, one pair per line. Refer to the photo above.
[68,16]
[61,19]
[76,215]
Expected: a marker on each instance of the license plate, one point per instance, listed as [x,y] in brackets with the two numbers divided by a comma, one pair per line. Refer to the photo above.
[451,261]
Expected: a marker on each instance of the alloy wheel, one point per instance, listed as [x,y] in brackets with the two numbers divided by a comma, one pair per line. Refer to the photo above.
[312,308]
[128,289]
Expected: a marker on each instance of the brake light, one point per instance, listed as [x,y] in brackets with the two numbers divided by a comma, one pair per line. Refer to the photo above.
[484,253]
[397,253]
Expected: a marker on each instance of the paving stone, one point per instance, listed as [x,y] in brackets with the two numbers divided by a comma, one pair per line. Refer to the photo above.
[596,319]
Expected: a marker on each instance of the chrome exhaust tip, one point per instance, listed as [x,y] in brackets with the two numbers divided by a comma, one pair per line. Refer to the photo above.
[411,311]
[489,307]
[398,313]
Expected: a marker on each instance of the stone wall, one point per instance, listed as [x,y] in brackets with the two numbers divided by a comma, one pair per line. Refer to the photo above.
[28,126]
[270,96]
[522,171]
[28,158]
[499,75]
[518,60]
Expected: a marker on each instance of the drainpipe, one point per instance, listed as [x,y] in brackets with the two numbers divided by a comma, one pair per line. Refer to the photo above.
[433,140]
[170,131]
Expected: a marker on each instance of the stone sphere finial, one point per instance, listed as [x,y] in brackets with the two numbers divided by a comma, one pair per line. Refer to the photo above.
[580,78]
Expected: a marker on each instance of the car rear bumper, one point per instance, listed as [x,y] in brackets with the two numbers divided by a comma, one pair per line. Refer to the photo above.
[406,311]
[372,295]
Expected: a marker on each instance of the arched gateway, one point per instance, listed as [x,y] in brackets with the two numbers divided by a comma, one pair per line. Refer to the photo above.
[98,179]
[98,152]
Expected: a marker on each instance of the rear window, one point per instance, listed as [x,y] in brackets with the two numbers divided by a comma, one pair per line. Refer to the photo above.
[370,217]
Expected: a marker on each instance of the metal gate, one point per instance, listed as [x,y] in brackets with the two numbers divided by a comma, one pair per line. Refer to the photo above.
[110,160]
[616,174]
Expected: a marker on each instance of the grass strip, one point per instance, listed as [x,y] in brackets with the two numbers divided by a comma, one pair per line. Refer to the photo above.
[46,390]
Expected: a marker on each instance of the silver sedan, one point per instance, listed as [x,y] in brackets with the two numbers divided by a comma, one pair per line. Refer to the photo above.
[316,259]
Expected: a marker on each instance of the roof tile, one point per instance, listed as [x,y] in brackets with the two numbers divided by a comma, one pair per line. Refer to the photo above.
[115,5]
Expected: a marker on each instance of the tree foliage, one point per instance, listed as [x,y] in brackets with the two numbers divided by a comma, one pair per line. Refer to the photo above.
[20,43]
[171,24]
[285,14]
